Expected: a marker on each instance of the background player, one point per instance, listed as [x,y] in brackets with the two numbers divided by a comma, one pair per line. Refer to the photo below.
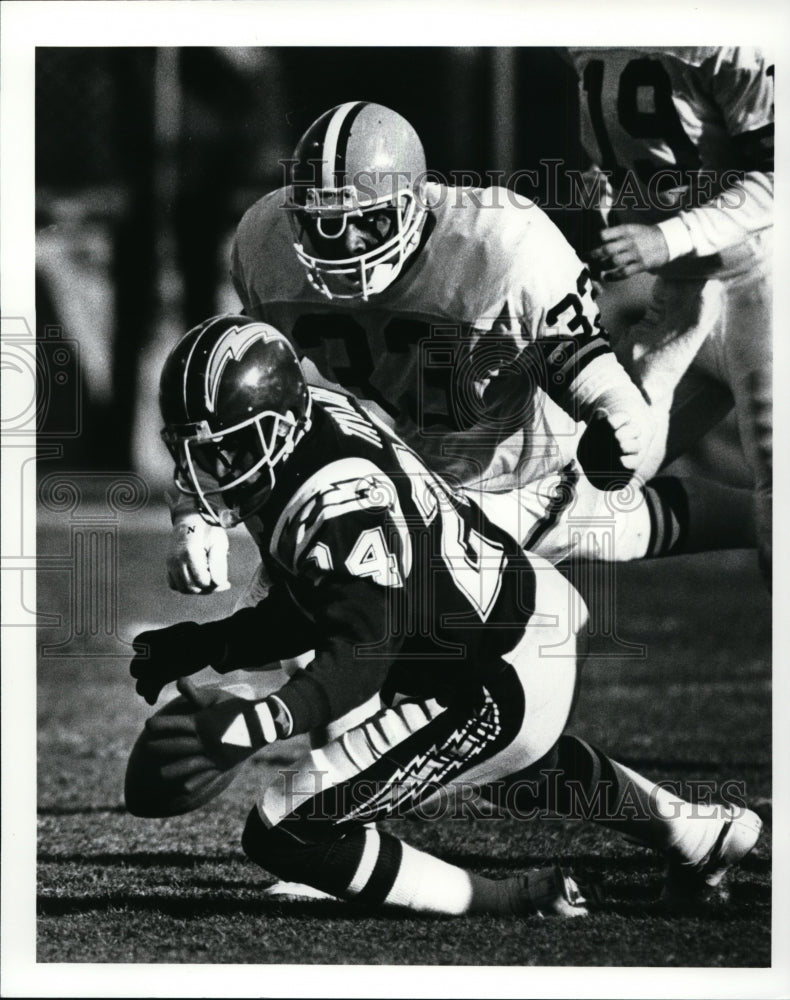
[463,318]
[684,140]
[403,585]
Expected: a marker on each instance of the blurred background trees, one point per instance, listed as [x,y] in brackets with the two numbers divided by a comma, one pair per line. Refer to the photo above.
[147,158]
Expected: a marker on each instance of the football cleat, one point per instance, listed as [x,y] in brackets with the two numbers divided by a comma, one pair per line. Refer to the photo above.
[295,892]
[551,892]
[690,882]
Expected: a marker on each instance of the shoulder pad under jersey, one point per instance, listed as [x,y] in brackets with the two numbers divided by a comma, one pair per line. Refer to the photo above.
[342,519]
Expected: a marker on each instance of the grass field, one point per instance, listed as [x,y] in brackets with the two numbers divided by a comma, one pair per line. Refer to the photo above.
[680,690]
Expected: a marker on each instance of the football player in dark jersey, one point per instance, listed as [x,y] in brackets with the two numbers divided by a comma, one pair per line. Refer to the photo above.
[400,584]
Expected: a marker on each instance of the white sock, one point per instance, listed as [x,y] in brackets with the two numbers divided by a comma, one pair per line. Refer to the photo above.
[429,885]
[687,830]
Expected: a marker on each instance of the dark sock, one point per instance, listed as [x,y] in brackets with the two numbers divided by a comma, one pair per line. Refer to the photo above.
[697,515]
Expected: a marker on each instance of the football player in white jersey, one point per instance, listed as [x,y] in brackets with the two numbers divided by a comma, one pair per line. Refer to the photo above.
[402,585]
[683,141]
[464,318]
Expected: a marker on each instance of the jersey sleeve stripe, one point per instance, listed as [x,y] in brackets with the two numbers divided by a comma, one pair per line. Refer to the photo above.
[336,490]
[583,356]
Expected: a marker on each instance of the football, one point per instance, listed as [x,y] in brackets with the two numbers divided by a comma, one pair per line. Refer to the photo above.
[151,794]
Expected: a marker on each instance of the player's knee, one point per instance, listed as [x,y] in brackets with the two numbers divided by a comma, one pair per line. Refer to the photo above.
[276,848]
[600,526]
[300,851]
[262,844]
[618,524]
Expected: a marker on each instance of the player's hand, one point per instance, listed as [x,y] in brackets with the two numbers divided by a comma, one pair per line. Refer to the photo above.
[222,730]
[197,557]
[631,437]
[629,249]
[163,655]
[614,447]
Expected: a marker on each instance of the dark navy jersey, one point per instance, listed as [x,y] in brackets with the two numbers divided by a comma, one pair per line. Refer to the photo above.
[384,568]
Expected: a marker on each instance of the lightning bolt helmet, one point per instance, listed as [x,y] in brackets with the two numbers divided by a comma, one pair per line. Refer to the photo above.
[234,403]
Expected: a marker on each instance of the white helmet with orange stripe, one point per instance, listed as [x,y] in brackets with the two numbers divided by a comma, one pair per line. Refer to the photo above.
[356,204]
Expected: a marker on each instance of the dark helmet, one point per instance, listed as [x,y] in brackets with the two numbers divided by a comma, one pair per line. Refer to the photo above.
[235,403]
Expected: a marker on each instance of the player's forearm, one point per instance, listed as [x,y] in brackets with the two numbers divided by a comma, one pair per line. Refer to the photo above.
[356,643]
[273,630]
[335,683]
[743,208]
[601,384]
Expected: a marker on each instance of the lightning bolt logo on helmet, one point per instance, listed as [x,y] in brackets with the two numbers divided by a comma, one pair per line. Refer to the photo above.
[235,403]
[232,346]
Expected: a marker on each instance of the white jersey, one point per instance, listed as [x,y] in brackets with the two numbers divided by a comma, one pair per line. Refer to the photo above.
[483,354]
[685,139]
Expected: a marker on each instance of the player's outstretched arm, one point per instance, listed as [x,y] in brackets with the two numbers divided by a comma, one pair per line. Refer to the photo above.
[250,638]
[165,654]
[584,376]
[710,228]
[725,205]
[578,368]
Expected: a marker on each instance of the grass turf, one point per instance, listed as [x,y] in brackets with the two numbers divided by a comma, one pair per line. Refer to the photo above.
[677,685]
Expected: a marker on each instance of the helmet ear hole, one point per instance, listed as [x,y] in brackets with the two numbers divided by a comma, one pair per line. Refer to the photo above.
[284,426]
